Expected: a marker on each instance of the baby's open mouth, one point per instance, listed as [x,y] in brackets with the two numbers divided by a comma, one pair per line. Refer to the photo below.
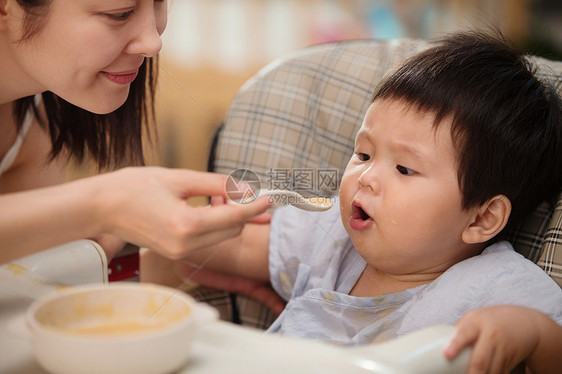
[359,213]
[359,219]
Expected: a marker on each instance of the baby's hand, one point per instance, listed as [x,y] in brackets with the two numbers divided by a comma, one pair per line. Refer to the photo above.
[256,290]
[502,336]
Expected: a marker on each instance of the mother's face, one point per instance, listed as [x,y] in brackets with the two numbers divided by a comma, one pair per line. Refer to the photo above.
[89,51]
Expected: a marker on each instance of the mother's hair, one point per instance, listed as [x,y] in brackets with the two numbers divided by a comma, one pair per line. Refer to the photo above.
[112,139]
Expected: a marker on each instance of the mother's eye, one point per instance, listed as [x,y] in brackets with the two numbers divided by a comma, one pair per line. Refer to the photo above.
[120,16]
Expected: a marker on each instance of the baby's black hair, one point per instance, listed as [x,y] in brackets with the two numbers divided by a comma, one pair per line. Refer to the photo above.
[506,124]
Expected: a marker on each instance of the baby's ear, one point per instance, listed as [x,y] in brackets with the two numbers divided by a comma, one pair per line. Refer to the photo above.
[488,220]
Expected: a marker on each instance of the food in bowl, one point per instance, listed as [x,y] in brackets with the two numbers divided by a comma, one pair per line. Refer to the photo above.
[119,328]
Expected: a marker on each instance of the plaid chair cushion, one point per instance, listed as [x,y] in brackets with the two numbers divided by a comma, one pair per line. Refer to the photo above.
[299,115]
[539,238]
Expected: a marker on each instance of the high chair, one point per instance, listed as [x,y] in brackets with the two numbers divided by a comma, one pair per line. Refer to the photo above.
[294,122]
[71,264]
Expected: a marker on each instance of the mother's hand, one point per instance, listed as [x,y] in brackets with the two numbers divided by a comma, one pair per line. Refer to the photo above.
[148,207]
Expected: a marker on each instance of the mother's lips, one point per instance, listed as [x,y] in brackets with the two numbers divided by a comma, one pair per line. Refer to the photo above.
[359,219]
[121,77]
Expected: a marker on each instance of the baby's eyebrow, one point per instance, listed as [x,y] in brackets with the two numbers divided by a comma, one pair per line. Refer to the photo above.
[361,134]
[403,147]
[413,150]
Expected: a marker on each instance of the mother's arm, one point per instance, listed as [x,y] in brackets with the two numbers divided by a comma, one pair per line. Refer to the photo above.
[146,206]
[34,169]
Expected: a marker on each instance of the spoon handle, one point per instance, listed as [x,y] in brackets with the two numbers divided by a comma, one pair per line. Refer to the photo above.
[284,197]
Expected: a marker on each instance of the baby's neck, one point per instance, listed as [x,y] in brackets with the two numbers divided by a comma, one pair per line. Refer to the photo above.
[374,283]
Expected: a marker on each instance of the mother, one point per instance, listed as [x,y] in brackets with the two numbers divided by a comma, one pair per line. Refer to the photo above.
[77,79]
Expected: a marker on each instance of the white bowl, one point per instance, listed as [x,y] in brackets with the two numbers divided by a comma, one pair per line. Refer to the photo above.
[118,328]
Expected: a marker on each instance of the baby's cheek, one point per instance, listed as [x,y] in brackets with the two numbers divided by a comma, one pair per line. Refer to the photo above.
[394,214]
[346,190]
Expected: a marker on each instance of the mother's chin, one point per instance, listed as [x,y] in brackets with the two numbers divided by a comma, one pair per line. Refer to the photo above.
[100,103]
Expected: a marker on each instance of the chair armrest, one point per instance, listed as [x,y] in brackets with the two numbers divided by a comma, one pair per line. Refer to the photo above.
[74,263]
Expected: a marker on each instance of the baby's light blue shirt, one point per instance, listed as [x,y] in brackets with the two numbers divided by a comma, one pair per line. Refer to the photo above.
[314,266]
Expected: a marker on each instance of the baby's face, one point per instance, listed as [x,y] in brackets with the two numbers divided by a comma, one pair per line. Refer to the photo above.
[400,198]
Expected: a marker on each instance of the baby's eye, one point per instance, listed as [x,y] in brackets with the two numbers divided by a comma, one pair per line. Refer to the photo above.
[363,156]
[404,170]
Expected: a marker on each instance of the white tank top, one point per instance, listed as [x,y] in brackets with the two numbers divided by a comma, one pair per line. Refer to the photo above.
[12,153]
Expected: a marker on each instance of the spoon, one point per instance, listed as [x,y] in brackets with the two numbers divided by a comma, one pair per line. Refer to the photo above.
[284,197]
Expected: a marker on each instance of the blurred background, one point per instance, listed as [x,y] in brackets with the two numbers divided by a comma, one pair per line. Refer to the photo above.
[211,47]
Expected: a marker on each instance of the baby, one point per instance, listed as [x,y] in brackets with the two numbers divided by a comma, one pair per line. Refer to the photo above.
[459,143]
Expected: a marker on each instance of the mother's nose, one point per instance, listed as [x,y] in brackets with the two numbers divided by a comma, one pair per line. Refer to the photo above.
[147,41]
